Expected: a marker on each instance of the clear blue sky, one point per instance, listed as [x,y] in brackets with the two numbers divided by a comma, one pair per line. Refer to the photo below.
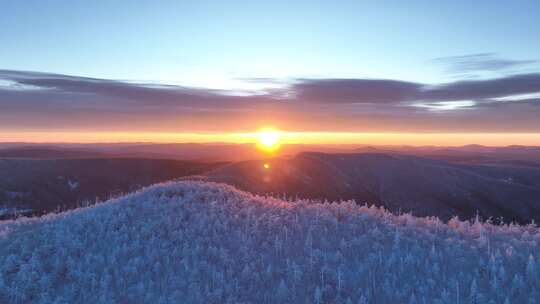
[204,42]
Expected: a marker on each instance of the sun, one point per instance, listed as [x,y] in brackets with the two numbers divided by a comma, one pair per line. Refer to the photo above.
[268,140]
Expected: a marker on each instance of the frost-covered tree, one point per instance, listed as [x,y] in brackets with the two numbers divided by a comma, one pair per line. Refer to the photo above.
[195,242]
[531,270]
[318,296]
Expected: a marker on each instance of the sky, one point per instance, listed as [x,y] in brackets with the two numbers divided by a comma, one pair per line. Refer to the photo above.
[156,70]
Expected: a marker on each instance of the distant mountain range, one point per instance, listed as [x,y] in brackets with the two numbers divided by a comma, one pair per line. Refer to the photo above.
[423,186]
[237,152]
[427,181]
[211,152]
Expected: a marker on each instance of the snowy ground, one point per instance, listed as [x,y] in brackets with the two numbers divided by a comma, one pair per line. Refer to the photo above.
[194,242]
[6,210]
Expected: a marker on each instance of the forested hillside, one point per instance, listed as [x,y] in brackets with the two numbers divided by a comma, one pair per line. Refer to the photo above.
[420,185]
[39,186]
[195,242]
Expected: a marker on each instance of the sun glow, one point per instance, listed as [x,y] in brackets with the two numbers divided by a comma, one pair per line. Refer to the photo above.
[280,138]
[268,140]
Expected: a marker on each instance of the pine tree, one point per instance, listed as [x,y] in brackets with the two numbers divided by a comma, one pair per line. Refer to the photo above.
[445,297]
[282,291]
[362,300]
[530,270]
[318,295]
[473,293]
[308,245]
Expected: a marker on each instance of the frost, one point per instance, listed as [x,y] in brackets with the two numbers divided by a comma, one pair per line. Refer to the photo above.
[72,184]
[195,242]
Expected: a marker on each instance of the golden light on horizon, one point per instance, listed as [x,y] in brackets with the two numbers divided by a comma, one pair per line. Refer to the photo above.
[268,140]
[282,138]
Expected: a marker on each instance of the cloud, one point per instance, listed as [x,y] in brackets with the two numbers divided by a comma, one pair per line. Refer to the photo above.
[483,89]
[92,90]
[447,105]
[35,100]
[481,62]
[327,91]
[399,92]
[356,90]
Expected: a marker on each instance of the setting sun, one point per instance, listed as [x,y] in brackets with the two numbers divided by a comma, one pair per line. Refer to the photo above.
[268,140]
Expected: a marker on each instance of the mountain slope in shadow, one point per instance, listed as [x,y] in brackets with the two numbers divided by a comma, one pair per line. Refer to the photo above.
[33,187]
[425,187]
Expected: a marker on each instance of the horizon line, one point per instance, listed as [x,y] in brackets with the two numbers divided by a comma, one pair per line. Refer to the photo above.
[448,139]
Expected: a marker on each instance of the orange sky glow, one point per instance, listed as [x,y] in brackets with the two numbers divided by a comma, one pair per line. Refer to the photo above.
[414,139]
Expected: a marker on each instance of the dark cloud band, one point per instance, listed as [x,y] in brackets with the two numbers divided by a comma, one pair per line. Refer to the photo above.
[52,100]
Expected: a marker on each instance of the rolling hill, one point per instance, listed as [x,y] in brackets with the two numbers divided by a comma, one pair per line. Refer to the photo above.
[195,242]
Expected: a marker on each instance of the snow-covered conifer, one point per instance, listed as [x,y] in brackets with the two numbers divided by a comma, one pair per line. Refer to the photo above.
[318,295]
[209,243]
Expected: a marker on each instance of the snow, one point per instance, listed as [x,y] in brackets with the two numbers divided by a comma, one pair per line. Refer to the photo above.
[196,242]
[7,210]
[72,184]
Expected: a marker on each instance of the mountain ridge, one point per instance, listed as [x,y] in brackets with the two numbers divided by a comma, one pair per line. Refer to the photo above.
[422,185]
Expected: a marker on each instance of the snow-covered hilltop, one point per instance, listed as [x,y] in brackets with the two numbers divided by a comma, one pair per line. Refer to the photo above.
[195,242]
